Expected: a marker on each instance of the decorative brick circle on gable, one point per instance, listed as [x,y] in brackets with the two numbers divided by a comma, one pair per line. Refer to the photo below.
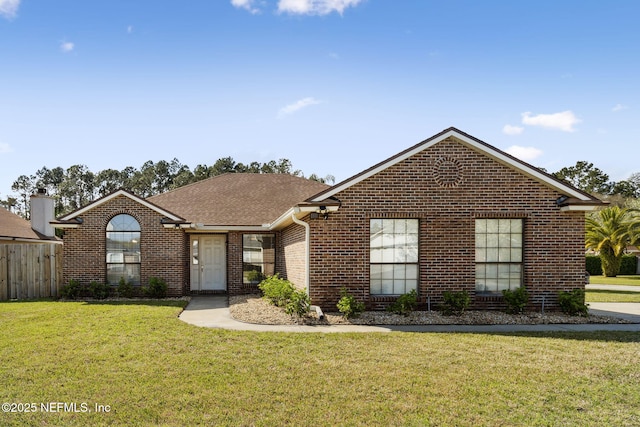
[447,172]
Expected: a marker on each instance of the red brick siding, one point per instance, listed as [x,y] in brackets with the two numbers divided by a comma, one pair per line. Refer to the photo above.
[446,203]
[84,247]
[293,249]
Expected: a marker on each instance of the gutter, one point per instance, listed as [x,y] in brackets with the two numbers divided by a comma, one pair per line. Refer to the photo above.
[307,258]
[307,249]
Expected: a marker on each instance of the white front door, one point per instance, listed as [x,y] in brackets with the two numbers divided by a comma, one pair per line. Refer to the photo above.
[209,263]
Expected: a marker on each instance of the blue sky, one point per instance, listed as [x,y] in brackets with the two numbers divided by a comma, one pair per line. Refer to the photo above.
[335,86]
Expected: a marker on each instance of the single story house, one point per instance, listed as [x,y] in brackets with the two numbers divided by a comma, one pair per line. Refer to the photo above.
[450,213]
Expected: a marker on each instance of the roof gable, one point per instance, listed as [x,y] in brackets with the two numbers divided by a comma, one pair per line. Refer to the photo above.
[118,193]
[472,143]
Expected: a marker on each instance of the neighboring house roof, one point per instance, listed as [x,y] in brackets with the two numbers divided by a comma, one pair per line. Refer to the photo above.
[14,227]
[575,200]
[238,199]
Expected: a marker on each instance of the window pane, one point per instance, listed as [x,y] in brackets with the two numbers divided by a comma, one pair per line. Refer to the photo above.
[516,226]
[258,256]
[492,226]
[393,251]
[411,272]
[481,226]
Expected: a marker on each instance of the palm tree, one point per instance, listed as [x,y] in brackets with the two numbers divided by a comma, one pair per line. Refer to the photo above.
[609,231]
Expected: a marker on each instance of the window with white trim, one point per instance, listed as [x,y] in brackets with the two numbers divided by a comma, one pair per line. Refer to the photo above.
[123,249]
[393,256]
[498,254]
[258,257]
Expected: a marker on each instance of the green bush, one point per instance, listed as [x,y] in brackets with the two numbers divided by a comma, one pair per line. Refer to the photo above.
[593,265]
[572,302]
[298,303]
[405,303]
[348,305]
[72,290]
[99,290]
[276,290]
[455,302]
[125,289]
[157,288]
[516,300]
[629,265]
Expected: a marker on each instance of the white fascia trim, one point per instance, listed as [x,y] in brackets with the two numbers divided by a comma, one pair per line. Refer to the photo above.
[55,225]
[286,217]
[583,208]
[199,228]
[480,147]
[113,196]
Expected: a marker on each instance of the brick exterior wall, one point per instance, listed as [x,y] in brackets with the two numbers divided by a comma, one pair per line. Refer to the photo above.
[292,249]
[85,247]
[446,187]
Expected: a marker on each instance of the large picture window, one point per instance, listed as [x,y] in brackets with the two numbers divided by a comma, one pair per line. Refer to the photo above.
[258,257]
[393,247]
[498,254]
[123,250]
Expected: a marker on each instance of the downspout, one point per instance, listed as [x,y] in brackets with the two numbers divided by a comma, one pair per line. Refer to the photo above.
[307,259]
[307,250]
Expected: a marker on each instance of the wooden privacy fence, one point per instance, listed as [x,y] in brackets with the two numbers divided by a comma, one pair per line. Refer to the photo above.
[30,271]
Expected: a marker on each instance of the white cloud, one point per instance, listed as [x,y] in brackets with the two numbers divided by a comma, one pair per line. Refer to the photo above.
[563,121]
[9,8]
[297,106]
[512,130]
[249,5]
[315,7]
[619,107]
[524,153]
[5,148]
[66,47]
[130,29]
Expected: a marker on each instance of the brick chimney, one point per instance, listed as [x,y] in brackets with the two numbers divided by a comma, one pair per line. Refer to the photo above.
[42,211]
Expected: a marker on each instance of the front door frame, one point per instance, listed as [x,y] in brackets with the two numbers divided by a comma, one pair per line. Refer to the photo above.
[208,262]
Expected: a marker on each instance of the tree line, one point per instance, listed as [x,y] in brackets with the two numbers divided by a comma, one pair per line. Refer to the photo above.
[77,186]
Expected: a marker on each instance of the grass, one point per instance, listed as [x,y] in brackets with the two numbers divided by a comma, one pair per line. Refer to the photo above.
[153,369]
[618,280]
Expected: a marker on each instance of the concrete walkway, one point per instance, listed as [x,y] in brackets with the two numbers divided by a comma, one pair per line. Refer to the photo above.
[623,288]
[213,312]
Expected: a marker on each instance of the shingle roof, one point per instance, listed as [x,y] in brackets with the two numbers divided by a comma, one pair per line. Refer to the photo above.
[13,226]
[238,199]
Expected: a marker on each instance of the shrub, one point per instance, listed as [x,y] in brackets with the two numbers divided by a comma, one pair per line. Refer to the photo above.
[455,302]
[405,303]
[348,305]
[157,288]
[125,289]
[516,300]
[629,265]
[71,290]
[298,303]
[276,290]
[572,302]
[593,265]
[99,290]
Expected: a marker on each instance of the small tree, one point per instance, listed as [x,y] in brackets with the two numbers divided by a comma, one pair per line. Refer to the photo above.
[609,232]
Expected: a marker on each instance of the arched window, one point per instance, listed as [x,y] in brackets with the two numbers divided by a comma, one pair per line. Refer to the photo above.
[123,250]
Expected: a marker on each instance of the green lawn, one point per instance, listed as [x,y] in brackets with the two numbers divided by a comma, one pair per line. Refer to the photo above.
[618,280]
[598,295]
[149,368]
